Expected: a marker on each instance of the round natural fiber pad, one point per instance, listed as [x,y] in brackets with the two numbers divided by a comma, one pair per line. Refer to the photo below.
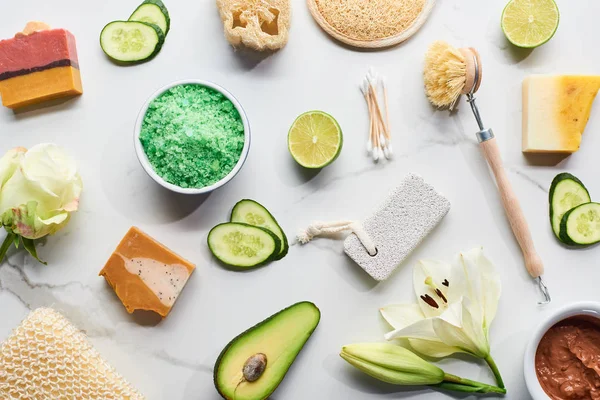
[372,23]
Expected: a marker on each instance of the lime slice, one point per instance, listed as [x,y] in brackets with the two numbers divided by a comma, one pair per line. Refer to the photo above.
[530,23]
[315,139]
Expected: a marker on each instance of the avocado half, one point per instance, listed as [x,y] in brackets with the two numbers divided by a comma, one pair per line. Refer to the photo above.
[279,339]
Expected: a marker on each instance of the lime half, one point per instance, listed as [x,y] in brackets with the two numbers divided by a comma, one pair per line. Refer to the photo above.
[530,23]
[315,139]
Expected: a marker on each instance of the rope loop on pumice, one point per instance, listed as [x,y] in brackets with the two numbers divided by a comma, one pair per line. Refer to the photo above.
[329,228]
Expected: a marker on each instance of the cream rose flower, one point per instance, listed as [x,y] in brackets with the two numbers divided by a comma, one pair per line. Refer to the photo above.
[39,188]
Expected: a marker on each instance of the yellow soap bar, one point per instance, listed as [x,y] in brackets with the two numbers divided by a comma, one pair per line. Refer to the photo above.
[556,109]
[146,275]
[49,84]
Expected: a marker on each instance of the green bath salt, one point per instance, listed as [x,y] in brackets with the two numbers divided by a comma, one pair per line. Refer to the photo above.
[192,135]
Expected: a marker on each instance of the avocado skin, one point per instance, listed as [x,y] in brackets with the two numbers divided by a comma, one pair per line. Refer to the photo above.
[241,335]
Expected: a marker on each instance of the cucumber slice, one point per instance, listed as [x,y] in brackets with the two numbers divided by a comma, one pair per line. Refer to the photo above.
[253,213]
[153,12]
[581,225]
[566,192]
[130,41]
[242,245]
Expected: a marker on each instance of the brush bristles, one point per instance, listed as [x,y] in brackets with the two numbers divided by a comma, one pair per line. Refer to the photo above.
[444,74]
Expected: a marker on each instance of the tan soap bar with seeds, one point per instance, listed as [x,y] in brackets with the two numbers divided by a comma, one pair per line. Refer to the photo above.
[146,275]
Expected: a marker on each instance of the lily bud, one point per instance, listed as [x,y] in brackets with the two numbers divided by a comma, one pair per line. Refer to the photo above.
[392,364]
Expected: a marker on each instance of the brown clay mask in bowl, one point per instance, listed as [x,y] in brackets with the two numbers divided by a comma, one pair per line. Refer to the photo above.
[567,359]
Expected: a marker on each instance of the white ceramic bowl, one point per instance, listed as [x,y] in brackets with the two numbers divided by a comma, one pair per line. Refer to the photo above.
[141,154]
[583,308]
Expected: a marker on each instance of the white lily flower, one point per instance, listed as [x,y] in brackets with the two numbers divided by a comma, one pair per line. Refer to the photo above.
[455,308]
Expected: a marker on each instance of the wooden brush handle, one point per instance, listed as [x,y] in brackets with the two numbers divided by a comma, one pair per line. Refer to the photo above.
[519,226]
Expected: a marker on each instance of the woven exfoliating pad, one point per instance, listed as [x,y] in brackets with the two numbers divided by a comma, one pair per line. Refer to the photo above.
[408,215]
[370,23]
[48,358]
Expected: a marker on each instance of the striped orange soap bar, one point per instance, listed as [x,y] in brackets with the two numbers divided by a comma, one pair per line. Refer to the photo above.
[38,65]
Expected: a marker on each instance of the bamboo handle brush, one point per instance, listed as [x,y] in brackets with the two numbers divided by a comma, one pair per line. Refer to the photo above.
[450,72]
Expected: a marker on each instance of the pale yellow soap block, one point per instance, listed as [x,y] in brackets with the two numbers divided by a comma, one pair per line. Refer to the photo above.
[556,109]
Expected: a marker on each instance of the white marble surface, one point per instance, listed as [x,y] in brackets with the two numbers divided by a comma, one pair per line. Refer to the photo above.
[174,358]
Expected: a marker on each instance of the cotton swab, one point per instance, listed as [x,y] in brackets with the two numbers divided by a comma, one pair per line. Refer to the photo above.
[387,119]
[377,144]
[365,91]
[376,149]
[379,141]
[385,101]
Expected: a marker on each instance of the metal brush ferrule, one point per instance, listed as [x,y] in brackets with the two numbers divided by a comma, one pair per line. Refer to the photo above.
[484,135]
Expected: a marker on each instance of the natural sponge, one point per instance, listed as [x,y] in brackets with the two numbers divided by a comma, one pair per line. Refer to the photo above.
[48,358]
[257,24]
[370,23]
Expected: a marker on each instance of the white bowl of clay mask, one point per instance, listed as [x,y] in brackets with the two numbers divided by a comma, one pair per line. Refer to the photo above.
[558,346]
[192,136]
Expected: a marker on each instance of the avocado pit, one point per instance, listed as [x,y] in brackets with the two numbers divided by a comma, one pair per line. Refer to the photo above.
[254,367]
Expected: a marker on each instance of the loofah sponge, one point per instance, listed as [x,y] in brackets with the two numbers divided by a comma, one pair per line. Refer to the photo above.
[48,358]
[371,23]
[257,24]
[398,226]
